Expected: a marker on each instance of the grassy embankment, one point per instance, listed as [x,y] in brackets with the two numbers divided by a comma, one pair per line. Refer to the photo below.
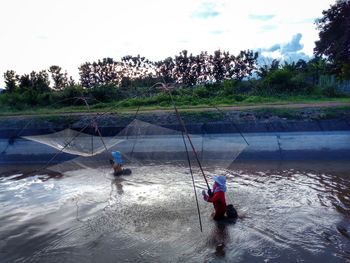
[162,102]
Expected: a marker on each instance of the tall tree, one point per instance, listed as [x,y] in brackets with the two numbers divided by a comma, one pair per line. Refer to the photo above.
[218,65]
[264,70]
[182,68]
[10,80]
[24,82]
[60,80]
[35,81]
[205,69]
[243,64]
[136,70]
[103,72]
[334,33]
[71,81]
[40,80]
[165,69]
[315,68]
[85,73]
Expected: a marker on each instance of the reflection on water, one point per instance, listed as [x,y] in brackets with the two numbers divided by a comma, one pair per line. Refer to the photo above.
[286,215]
[218,238]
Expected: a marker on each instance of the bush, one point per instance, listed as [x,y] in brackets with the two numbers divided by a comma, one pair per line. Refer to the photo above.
[239,97]
[44,99]
[163,104]
[13,100]
[105,93]
[329,91]
[228,87]
[187,100]
[278,80]
[71,92]
[301,84]
[67,97]
[284,81]
[30,97]
[202,92]
[245,87]
[160,97]
[214,88]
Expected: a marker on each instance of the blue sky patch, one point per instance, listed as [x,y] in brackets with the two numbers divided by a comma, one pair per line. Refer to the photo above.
[206,14]
[261,17]
[216,32]
[206,10]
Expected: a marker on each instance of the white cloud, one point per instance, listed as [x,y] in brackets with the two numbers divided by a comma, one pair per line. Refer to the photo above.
[289,51]
[38,33]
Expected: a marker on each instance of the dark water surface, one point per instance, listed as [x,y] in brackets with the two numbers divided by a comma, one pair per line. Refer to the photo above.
[287,215]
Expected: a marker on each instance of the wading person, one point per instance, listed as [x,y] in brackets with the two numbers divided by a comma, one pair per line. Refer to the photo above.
[117,163]
[217,196]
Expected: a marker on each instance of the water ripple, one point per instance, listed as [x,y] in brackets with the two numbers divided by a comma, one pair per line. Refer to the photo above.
[286,215]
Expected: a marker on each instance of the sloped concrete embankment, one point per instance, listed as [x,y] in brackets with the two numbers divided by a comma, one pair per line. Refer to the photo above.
[306,137]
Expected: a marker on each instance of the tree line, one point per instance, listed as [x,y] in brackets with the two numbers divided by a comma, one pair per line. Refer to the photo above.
[108,79]
[186,69]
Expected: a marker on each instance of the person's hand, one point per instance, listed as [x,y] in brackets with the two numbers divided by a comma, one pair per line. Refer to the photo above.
[203,192]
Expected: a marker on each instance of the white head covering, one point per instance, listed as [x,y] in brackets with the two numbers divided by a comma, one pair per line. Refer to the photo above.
[221,181]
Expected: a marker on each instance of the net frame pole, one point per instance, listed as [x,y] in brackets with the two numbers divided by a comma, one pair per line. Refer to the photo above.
[94,125]
[193,183]
[189,139]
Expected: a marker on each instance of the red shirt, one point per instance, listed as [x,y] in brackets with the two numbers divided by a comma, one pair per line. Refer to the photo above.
[219,202]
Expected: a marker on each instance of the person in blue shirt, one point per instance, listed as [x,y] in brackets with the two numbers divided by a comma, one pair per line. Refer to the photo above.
[117,163]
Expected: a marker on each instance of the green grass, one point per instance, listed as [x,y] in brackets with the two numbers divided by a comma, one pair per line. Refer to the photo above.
[295,113]
[162,102]
[282,113]
[329,113]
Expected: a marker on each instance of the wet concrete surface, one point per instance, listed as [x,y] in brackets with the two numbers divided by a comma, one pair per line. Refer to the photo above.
[331,145]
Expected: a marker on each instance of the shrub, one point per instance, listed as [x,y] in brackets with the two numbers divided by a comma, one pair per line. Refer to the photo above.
[202,92]
[105,93]
[44,99]
[71,92]
[278,80]
[239,97]
[13,101]
[329,91]
[30,97]
[245,87]
[161,97]
[228,87]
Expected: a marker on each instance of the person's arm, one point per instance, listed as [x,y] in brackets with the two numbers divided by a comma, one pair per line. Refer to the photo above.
[215,197]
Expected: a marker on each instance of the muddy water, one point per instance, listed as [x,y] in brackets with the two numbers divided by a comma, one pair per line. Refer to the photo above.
[286,215]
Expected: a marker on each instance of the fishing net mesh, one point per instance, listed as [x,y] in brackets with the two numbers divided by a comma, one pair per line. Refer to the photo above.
[146,143]
[75,142]
[143,143]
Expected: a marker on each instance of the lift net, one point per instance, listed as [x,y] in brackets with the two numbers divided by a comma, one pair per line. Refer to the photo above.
[147,143]
[75,142]
[143,143]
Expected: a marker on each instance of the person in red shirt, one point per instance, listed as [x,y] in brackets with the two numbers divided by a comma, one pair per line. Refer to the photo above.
[217,196]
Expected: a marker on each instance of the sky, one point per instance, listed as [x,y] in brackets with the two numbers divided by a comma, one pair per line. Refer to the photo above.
[36,34]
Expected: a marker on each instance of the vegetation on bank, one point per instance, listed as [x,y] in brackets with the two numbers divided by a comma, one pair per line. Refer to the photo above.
[276,83]
[107,98]
[131,105]
[201,80]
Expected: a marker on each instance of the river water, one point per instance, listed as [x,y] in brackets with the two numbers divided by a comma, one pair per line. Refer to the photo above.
[286,215]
